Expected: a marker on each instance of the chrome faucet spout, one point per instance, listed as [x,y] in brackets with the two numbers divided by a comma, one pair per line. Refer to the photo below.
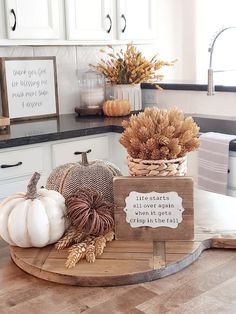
[210,85]
[210,78]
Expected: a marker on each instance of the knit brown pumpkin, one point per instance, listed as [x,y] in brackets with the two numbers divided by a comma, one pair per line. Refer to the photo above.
[116,108]
[70,177]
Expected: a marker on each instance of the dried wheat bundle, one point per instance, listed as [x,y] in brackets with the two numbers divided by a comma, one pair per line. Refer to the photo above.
[159,134]
[77,252]
[71,235]
[130,66]
[90,248]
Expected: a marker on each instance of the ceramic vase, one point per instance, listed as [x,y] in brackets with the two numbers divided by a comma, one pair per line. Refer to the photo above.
[129,92]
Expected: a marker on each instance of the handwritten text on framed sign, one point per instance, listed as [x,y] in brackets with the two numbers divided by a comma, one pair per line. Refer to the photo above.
[29,87]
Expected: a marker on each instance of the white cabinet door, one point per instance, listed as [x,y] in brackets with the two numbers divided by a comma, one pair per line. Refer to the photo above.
[192,166]
[89,20]
[18,185]
[67,151]
[32,19]
[18,164]
[118,154]
[135,19]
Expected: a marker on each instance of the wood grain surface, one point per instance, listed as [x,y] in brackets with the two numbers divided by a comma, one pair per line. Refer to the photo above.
[182,185]
[129,262]
[206,287]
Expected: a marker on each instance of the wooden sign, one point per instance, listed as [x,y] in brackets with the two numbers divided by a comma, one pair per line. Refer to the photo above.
[153,208]
[29,87]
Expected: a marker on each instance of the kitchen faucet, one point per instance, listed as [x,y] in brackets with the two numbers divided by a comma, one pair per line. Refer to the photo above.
[210,85]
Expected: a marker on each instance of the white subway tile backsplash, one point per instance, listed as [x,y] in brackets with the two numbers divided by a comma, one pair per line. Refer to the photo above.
[67,87]
[220,104]
[195,102]
[64,54]
[87,55]
[66,74]
[93,55]
[16,51]
[73,58]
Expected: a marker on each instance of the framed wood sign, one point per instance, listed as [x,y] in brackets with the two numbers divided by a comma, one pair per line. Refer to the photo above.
[29,87]
[153,208]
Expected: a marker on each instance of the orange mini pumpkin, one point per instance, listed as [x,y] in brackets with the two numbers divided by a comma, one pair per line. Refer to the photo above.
[116,108]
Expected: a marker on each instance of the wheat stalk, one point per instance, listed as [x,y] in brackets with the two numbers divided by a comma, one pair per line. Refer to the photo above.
[159,134]
[130,66]
[90,248]
[67,238]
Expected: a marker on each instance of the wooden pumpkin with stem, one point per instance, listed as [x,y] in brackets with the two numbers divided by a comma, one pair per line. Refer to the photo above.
[32,219]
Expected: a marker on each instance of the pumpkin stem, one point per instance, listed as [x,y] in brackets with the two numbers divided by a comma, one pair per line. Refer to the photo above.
[84,161]
[32,186]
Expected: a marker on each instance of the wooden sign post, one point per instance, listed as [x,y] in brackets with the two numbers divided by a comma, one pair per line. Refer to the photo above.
[154,208]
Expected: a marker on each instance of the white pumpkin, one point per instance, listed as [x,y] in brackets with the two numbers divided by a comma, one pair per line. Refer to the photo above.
[35,218]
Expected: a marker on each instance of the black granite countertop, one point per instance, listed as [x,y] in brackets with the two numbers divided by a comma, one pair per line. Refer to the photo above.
[189,85]
[63,127]
[70,126]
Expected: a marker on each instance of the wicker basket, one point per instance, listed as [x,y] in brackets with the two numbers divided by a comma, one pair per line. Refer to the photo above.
[173,167]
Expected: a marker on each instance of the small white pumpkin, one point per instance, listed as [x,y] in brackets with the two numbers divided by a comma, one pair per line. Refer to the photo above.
[32,219]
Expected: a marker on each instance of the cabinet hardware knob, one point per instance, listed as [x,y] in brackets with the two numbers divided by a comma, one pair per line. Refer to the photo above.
[80,153]
[109,18]
[124,18]
[9,166]
[14,25]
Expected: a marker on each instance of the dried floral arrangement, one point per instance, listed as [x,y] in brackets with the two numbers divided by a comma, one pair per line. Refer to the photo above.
[91,220]
[158,134]
[130,66]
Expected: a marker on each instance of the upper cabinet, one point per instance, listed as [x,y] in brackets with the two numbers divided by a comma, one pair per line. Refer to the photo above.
[109,19]
[84,21]
[32,19]
[135,19]
[89,20]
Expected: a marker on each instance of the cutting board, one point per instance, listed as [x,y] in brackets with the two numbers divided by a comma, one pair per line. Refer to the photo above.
[129,262]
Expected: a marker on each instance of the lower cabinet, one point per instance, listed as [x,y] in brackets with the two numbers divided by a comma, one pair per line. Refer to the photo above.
[118,153]
[192,164]
[67,151]
[18,185]
[19,163]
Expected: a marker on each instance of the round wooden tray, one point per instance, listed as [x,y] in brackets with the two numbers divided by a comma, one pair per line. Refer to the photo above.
[129,262]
